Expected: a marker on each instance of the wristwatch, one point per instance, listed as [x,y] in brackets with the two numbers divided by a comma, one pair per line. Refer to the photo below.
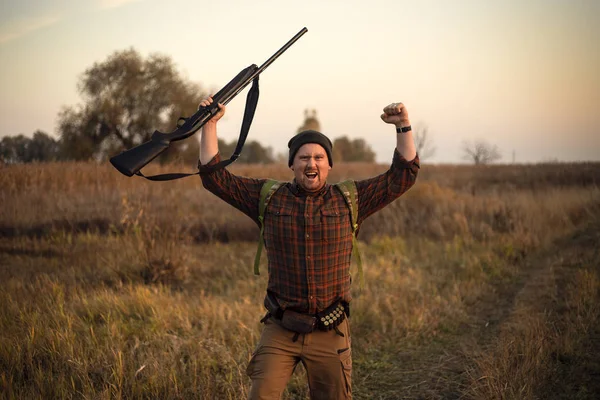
[403,130]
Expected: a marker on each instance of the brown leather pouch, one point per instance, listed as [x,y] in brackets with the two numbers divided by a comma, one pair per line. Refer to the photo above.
[296,322]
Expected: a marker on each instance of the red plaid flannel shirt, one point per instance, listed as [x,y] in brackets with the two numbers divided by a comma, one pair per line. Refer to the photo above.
[308,237]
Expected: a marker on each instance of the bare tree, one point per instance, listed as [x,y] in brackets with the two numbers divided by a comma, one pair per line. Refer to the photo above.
[480,152]
[423,143]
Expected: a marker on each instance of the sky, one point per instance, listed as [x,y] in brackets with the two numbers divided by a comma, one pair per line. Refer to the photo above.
[523,75]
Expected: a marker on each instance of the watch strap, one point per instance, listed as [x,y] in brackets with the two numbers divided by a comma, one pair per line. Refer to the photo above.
[404,129]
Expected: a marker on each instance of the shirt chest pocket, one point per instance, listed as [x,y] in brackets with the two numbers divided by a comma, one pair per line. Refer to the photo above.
[279,223]
[335,223]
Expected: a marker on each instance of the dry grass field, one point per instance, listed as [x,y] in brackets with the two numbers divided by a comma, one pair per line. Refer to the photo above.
[481,283]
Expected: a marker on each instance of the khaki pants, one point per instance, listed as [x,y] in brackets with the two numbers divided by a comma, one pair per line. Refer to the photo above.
[326,356]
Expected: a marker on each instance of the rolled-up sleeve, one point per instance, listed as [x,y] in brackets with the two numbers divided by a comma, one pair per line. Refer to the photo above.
[241,192]
[379,191]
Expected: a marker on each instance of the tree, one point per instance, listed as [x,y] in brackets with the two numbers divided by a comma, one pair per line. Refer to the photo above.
[13,149]
[126,98]
[346,150]
[481,152]
[423,143]
[21,149]
[43,148]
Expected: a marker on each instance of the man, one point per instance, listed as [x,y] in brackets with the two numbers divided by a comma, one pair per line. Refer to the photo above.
[308,237]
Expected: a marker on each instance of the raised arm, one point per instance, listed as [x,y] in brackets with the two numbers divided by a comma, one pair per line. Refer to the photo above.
[397,114]
[209,143]
[377,192]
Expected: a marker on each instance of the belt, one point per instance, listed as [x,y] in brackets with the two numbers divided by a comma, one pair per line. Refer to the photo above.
[326,320]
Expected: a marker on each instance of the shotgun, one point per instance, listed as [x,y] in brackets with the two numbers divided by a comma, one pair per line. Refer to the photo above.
[131,161]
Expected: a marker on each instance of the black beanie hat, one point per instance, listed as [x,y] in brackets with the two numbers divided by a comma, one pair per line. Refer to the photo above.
[309,137]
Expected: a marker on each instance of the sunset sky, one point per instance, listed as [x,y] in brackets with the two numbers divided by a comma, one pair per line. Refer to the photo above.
[523,75]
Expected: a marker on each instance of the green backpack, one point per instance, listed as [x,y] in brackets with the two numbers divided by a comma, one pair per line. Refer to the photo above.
[347,188]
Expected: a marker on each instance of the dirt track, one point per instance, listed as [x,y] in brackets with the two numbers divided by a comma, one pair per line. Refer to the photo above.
[540,295]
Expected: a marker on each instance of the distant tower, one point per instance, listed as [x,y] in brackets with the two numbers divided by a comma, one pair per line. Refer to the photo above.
[310,121]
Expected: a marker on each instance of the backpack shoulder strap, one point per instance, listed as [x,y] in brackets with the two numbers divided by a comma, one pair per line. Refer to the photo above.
[266,192]
[348,189]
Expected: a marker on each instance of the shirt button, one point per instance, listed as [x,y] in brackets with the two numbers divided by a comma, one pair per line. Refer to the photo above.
[307,235]
[308,257]
[311,297]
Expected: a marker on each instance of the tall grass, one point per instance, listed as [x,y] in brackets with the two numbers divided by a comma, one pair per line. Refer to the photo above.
[116,287]
[548,348]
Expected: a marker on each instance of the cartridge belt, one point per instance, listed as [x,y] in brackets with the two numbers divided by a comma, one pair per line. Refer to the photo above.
[328,319]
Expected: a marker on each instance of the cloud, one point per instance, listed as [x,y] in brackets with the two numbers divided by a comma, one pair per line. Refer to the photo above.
[114,3]
[20,27]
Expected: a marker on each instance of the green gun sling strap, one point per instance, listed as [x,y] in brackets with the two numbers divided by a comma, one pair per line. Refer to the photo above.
[348,190]
[266,192]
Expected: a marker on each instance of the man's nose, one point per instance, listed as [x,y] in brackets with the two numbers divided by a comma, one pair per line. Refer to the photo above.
[311,162]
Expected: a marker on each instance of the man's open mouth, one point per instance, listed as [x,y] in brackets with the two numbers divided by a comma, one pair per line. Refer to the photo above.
[311,175]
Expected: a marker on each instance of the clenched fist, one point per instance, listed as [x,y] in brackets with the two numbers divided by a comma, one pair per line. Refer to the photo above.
[396,114]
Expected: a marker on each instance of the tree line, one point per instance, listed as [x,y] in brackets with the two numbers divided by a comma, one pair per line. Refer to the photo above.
[126,97]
